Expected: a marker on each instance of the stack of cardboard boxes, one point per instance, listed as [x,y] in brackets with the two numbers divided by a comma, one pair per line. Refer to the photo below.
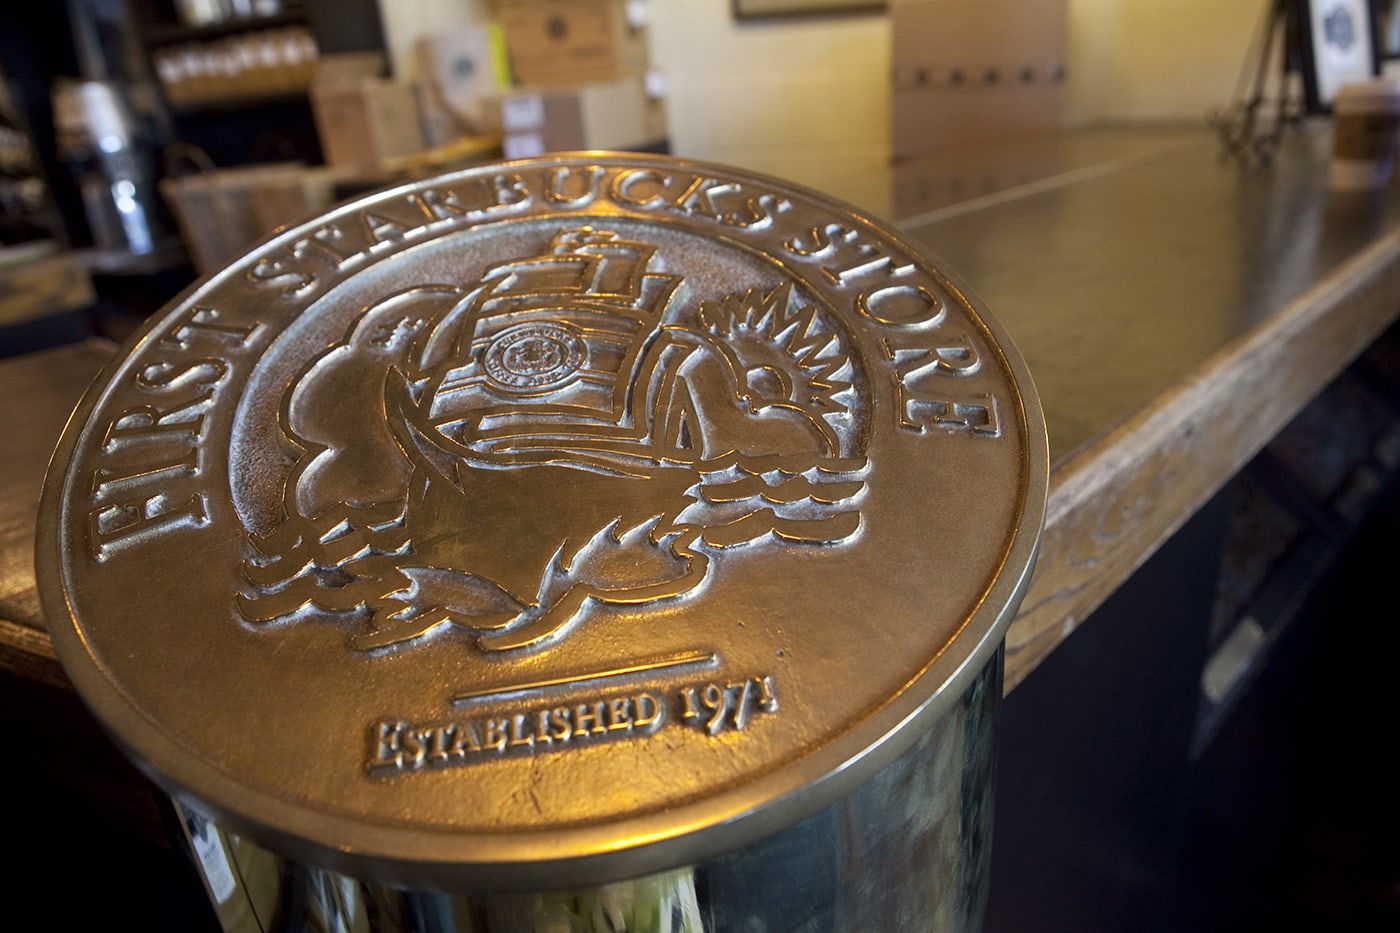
[461,75]
[581,74]
[540,75]
[362,118]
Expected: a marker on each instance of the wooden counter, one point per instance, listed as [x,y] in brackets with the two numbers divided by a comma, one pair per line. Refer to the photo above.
[1176,309]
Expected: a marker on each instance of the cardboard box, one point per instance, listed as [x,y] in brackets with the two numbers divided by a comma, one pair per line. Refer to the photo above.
[362,123]
[603,115]
[563,42]
[349,67]
[462,73]
[970,71]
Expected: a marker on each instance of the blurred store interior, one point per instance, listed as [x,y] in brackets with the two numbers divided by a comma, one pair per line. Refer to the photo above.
[150,140]
[144,143]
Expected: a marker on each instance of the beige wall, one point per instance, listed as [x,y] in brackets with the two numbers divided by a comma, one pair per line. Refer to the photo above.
[784,95]
[1157,59]
[762,94]
[821,86]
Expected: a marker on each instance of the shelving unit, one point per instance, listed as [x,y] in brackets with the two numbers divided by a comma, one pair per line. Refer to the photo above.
[235,89]
[234,66]
[238,89]
[169,32]
[1297,506]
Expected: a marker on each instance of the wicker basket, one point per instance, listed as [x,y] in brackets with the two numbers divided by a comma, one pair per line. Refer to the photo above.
[222,212]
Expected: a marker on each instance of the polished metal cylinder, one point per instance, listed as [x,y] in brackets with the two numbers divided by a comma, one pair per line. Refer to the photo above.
[908,850]
[592,542]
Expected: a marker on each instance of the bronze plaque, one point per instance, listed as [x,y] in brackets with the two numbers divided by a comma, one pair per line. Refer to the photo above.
[544,523]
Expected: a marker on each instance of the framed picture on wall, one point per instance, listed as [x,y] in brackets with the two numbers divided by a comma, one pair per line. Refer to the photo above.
[1339,44]
[763,9]
[1388,31]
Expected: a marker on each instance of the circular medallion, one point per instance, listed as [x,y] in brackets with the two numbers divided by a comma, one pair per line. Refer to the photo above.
[534,357]
[546,522]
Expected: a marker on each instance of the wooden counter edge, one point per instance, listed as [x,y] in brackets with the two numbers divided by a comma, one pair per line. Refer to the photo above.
[1115,502]
[43,285]
[28,653]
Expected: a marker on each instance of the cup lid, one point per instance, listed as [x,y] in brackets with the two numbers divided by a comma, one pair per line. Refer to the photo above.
[1385,91]
[546,522]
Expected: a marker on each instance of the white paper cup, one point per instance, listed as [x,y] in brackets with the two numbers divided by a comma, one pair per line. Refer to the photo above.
[1366,131]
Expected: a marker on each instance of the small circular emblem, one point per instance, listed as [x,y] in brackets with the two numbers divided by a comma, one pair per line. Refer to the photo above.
[534,357]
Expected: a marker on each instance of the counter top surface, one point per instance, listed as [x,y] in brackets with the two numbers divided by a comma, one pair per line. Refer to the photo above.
[1118,283]
[1176,308]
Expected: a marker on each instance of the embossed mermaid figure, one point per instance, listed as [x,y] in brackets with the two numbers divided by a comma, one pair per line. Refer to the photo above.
[574,430]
